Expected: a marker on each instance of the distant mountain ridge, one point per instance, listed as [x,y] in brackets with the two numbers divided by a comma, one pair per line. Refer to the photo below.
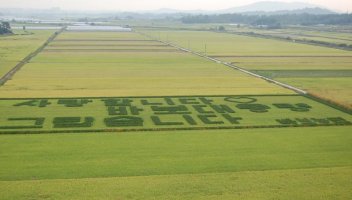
[263,7]
[259,8]
[269,6]
[312,11]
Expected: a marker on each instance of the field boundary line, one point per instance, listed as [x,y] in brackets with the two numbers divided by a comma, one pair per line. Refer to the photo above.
[172,96]
[116,130]
[297,90]
[183,174]
[24,61]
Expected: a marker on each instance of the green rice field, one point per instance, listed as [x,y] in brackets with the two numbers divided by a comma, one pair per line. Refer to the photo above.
[120,115]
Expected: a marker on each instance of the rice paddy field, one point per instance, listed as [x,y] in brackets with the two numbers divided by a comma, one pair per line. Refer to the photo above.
[119,115]
[131,65]
[13,48]
[304,33]
[265,55]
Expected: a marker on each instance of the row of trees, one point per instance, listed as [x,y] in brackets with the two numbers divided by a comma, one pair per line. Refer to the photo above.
[5,28]
[272,20]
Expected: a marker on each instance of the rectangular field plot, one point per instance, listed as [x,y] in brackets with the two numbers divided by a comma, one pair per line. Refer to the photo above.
[291,62]
[105,43]
[324,36]
[304,73]
[165,113]
[80,64]
[109,47]
[99,36]
[130,74]
[224,44]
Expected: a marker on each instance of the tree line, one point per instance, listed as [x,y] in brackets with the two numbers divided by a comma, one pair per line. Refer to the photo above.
[272,20]
[5,28]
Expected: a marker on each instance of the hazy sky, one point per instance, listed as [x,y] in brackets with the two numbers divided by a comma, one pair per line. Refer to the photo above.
[124,5]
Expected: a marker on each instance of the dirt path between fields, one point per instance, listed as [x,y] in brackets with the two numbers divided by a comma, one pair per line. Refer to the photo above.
[24,61]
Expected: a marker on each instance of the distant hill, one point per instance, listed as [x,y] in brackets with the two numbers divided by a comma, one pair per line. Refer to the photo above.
[262,8]
[175,11]
[312,11]
[269,6]
[166,11]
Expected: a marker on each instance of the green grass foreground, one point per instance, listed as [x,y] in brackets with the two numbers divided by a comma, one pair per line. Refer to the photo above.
[50,156]
[321,183]
[224,164]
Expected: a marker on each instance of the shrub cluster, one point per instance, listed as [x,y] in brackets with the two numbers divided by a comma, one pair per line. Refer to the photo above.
[5,28]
